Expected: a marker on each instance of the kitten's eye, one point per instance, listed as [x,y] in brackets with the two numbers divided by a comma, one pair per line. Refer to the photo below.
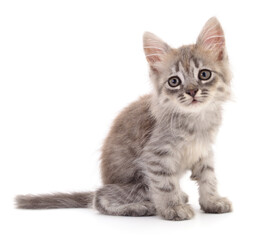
[174,81]
[204,74]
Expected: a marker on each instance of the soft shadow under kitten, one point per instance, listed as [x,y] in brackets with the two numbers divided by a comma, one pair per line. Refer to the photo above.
[156,139]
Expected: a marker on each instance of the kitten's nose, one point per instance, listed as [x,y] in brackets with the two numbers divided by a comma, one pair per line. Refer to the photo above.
[192,92]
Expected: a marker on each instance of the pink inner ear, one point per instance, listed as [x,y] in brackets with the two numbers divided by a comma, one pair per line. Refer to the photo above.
[212,38]
[153,54]
[154,48]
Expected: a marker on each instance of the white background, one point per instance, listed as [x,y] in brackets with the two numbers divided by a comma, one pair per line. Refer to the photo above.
[68,67]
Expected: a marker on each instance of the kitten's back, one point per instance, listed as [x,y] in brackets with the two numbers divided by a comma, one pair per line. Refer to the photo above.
[126,139]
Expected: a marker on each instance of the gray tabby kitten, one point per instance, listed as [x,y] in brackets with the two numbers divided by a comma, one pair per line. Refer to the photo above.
[156,139]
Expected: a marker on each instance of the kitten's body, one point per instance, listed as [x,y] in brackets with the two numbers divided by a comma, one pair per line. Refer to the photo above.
[157,138]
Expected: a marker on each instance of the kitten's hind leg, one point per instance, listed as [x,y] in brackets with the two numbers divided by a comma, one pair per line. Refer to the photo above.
[184,197]
[124,200]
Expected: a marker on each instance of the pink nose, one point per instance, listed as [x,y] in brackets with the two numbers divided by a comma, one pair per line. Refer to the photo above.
[192,92]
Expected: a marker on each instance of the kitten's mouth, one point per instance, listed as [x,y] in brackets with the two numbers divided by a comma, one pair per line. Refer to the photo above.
[194,101]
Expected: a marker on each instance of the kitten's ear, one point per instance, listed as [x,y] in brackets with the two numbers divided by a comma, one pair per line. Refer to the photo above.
[212,38]
[155,50]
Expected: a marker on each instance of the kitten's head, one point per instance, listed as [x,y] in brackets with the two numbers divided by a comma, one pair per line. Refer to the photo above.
[191,77]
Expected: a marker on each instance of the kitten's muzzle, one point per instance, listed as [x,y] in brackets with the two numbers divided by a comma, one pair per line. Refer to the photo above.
[192,92]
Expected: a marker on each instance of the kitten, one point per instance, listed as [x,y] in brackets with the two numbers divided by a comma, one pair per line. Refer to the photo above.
[156,139]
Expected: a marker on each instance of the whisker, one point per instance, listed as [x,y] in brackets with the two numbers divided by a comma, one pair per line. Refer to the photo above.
[182,98]
[204,96]
[204,90]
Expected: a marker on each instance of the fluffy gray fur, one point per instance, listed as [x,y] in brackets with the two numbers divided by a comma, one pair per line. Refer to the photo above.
[156,139]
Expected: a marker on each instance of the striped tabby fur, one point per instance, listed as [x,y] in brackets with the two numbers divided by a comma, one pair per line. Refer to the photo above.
[156,139]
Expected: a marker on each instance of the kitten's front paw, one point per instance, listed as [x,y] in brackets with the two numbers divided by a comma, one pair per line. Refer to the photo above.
[177,212]
[217,205]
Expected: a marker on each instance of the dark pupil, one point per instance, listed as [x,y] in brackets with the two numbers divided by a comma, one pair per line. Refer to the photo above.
[174,81]
[204,74]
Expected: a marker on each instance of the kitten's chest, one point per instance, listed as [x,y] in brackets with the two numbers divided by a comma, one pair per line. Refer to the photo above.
[198,144]
[192,151]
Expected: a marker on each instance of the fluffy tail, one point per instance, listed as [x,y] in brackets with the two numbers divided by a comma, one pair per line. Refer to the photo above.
[57,200]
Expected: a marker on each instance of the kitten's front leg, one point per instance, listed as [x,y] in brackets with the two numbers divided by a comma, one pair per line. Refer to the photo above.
[209,200]
[170,203]
[165,190]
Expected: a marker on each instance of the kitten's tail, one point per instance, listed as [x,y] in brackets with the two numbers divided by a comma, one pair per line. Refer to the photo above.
[56,200]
